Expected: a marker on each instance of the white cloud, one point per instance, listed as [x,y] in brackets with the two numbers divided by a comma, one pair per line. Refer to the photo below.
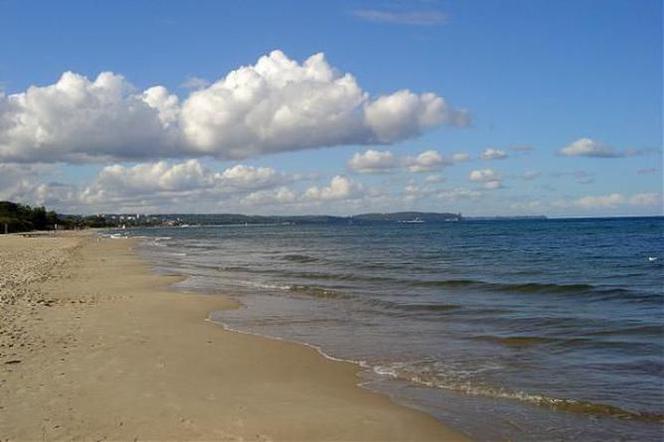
[17,179]
[404,114]
[280,195]
[163,181]
[249,177]
[590,202]
[613,201]
[275,105]
[150,177]
[427,161]
[458,194]
[76,119]
[493,184]
[586,147]
[435,178]
[489,178]
[647,199]
[413,191]
[493,154]
[195,83]
[373,161]
[340,188]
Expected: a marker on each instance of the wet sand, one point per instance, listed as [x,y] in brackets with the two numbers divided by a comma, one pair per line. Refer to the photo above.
[94,345]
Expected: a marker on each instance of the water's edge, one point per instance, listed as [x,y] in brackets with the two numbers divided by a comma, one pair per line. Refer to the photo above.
[362,367]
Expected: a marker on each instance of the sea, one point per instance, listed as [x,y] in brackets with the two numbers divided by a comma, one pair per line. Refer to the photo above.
[547,329]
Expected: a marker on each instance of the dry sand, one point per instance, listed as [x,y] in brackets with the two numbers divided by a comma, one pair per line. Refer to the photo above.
[94,346]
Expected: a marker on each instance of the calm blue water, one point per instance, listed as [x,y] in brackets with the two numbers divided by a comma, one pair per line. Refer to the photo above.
[525,330]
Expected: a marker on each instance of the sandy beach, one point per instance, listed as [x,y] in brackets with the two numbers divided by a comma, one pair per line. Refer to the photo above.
[94,345]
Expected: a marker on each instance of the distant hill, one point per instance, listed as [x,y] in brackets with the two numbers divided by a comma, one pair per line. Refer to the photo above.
[408,217]
[507,218]
[19,218]
[228,218]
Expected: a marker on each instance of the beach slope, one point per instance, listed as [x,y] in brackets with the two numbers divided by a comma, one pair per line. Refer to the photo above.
[93,345]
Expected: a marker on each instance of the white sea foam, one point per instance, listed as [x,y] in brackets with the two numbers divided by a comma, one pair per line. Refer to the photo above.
[225,326]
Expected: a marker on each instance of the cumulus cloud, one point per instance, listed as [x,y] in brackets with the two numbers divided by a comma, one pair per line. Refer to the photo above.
[427,161]
[404,114]
[185,186]
[373,161]
[250,177]
[163,181]
[435,178]
[340,188]
[280,195]
[489,178]
[18,179]
[76,119]
[611,200]
[195,83]
[458,194]
[587,147]
[493,154]
[647,199]
[150,177]
[614,200]
[417,18]
[275,105]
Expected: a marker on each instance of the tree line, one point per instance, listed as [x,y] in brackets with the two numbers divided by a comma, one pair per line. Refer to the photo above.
[16,217]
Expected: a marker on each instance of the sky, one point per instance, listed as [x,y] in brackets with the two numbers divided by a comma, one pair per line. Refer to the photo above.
[495,107]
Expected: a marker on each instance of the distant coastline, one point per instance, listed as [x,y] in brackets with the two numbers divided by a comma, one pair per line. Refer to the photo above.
[187,220]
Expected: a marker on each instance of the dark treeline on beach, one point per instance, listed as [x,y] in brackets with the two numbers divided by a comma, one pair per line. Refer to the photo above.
[19,218]
[16,217]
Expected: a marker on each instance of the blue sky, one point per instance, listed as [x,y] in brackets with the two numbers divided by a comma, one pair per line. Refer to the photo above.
[537,74]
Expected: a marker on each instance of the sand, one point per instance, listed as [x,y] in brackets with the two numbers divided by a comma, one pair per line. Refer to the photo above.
[95,346]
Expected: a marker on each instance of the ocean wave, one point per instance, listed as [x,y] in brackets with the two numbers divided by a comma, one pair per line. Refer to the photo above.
[398,372]
[408,308]
[260,285]
[318,292]
[526,288]
[517,341]
[534,288]
[326,293]
[303,259]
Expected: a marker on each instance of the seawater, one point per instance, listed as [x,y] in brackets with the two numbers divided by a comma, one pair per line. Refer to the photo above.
[522,330]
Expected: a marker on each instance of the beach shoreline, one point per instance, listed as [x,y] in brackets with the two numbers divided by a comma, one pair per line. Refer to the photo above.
[95,344]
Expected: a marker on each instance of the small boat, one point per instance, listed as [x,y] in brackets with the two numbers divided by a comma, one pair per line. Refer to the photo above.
[412,221]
